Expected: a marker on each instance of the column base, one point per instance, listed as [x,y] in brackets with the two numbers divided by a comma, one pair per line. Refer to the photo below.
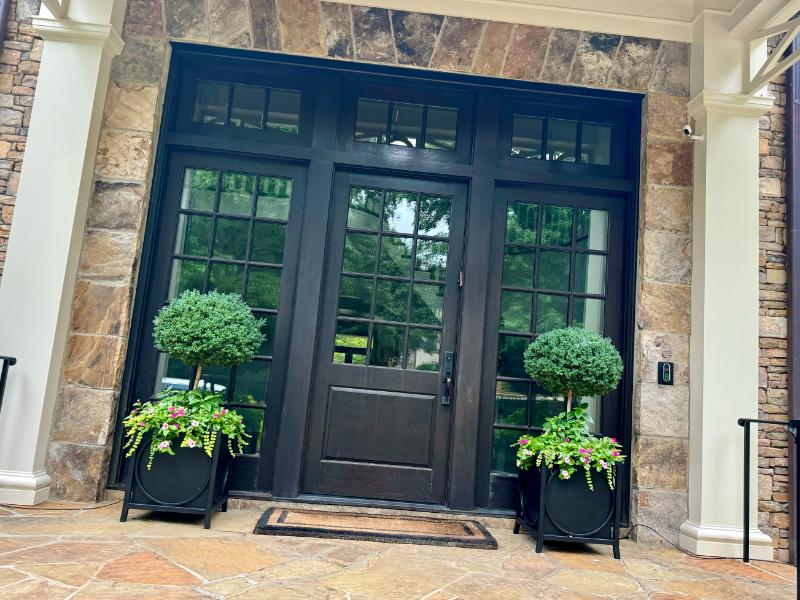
[24,488]
[716,540]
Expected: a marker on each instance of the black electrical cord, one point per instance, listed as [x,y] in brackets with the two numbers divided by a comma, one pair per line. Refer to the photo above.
[692,554]
[35,508]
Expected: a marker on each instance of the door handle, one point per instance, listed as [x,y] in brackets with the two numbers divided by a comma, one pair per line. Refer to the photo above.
[447,376]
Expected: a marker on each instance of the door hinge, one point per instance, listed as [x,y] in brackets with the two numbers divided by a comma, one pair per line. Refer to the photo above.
[461,279]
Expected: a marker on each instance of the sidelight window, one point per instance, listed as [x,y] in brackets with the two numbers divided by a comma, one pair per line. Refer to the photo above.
[247,106]
[405,124]
[561,140]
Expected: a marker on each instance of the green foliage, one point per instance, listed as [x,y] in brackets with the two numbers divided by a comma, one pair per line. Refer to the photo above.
[195,416]
[574,360]
[566,445]
[206,329]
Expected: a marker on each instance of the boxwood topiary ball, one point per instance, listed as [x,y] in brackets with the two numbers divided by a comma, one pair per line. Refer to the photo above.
[208,329]
[574,359]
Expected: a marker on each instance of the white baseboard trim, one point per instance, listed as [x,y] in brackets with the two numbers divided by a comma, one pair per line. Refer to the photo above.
[24,488]
[717,540]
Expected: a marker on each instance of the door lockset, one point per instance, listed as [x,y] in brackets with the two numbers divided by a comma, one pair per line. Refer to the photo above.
[447,376]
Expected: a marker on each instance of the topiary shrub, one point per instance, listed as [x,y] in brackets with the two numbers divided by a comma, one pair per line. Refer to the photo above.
[574,362]
[208,329]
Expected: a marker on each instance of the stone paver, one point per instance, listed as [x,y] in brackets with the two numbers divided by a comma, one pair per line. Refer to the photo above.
[70,552]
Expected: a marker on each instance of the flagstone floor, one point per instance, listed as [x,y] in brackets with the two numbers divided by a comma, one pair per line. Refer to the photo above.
[60,551]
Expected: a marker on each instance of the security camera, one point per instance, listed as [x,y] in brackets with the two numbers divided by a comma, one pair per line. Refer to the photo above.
[687,130]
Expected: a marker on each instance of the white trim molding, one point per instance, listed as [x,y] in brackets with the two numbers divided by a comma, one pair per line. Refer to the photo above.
[23,487]
[66,30]
[715,540]
[712,101]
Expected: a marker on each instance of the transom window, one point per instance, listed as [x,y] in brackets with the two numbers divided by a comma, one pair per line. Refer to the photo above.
[230,237]
[391,295]
[554,275]
[563,140]
[247,106]
[406,124]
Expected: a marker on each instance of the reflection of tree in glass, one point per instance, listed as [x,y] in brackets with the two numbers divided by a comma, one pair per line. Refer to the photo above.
[399,211]
[431,260]
[521,223]
[434,215]
[365,208]
[202,188]
[557,225]
[515,312]
[552,312]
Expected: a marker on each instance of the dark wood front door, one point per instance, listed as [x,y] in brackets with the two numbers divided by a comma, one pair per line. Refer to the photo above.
[381,405]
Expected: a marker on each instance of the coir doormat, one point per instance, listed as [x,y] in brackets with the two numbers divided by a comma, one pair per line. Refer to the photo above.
[375,528]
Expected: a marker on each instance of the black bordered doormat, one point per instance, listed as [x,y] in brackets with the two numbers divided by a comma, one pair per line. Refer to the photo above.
[376,528]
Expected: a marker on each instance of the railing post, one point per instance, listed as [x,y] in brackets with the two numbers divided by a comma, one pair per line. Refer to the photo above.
[7,362]
[746,520]
[794,429]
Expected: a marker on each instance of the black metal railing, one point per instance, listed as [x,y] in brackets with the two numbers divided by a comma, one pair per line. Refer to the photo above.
[8,361]
[793,427]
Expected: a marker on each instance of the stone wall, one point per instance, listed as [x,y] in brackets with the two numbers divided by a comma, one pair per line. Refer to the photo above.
[100,322]
[19,67]
[773,394]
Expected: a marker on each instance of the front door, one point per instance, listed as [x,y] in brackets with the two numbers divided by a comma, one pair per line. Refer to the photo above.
[384,377]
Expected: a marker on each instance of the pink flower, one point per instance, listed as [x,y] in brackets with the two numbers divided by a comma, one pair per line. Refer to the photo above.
[195,423]
[164,444]
[613,440]
[190,442]
[583,451]
[604,464]
[567,439]
[523,442]
[584,459]
[165,426]
[615,453]
[215,416]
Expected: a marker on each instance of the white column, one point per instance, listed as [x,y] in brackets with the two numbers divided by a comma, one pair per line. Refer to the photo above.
[47,234]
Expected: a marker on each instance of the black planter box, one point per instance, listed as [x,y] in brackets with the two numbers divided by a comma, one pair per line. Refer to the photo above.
[189,482]
[566,510]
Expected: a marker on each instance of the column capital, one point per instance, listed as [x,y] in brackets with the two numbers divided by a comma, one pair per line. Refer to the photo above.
[76,32]
[713,101]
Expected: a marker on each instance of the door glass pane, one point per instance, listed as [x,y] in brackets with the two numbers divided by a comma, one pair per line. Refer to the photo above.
[592,229]
[274,197]
[226,278]
[440,130]
[431,260]
[284,111]
[387,346]
[236,193]
[268,242]
[509,356]
[399,212]
[250,385]
[391,300]
[247,109]
[172,373]
[590,274]
[355,296]
[215,378]
[427,304]
[515,311]
[269,334]
[518,266]
[589,313]
[199,190]
[554,269]
[546,405]
[359,252]
[364,211]
[521,223]
[211,103]
[526,141]
[551,312]
[504,457]
[395,256]
[263,287]
[596,144]
[557,226]
[371,121]
[562,137]
[434,215]
[351,343]
[186,275]
[406,125]
[194,235]
[511,402]
[253,419]
[423,349]
[230,239]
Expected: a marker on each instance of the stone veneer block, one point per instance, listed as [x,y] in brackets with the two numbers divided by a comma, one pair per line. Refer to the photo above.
[230,23]
[669,163]
[667,257]
[660,463]
[671,75]
[655,346]
[115,205]
[94,361]
[187,20]
[668,209]
[143,17]
[123,154]
[636,60]
[264,24]
[372,31]
[414,36]
[773,327]
[491,54]
[457,45]
[666,116]
[664,307]
[108,254]
[594,58]
[560,54]
[141,59]
[663,511]
[301,26]
[77,471]
[662,410]
[131,106]
[84,416]
[99,308]
[337,29]
[526,54]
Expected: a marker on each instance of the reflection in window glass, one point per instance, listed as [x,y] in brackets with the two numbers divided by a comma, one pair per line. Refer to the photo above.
[440,129]
[387,346]
[509,355]
[263,287]
[504,457]
[199,189]
[359,253]
[427,304]
[554,270]
[186,275]
[247,109]
[562,138]
[365,208]
[515,311]
[511,402]
[254,426]
[399,212]
[268,242]
[226,278]
[592,229]
[391,300]
[518,266]
[434,215]
[596,144]
[355,296]
[589,313]
[590,274]
[396,256]
[406,125]
[372,120]
[521,223]
[423,349]
[236,193]
[172,373]
[551,312]
[274,198]
[351,343]
[283,113]
[211,103]
[431,260]
[250,384]
[230,239]
[557,225]
[194,235]
[545,405]
[526,139]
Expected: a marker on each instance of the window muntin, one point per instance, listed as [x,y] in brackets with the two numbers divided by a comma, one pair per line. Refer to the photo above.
[406,124]
[564,140]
